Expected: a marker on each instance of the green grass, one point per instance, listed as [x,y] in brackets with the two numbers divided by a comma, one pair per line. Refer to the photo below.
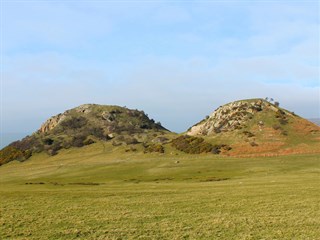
[97,193]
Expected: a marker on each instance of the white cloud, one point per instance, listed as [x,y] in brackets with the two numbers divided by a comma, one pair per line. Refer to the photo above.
[276,54]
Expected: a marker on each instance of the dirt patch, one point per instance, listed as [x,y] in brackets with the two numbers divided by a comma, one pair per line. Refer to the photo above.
[246,148]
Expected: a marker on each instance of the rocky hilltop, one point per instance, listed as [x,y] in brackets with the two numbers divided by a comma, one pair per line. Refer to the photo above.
[253,127]
[257,126]
[85,125]
[234,116]
[110,118]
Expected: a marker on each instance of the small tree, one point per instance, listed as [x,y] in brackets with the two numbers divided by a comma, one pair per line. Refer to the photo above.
[277,104]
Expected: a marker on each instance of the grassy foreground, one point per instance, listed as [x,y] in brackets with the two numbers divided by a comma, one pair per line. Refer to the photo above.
[84,194]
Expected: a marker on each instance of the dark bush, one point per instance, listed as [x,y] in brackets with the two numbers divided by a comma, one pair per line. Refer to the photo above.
[193,145]
[215,150]
[77,141]
[248,134]
[48,141]
[66,144]
[52,152]
[74,123]
[10,153]
[145,126]
[154,148]
[115,111]
[217,130]
[88,141]
[54,148]
[97,132]
[27,143]
[27,154]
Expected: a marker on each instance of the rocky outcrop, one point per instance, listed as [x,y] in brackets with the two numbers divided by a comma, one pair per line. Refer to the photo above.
[84,108]
[51,123]
[230,117]
[54,121]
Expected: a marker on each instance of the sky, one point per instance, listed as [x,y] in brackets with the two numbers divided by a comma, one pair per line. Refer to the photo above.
[176,60]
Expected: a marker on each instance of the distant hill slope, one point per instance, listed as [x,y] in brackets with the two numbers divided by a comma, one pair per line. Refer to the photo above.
[257,127]
[85,125]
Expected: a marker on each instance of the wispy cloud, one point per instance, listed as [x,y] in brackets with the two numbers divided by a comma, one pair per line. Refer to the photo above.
[177,61]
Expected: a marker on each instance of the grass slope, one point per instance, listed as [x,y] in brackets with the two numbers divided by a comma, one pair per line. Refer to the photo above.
[97,192]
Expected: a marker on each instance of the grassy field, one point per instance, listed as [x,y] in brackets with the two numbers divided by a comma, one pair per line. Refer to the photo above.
[93,193]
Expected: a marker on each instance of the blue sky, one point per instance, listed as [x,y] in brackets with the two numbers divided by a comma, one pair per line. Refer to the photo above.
[176,60]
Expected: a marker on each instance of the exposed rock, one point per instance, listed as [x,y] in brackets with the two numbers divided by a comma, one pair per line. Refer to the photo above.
[84,108]
[51,123]
[230,117]
[110,117]
[160,140]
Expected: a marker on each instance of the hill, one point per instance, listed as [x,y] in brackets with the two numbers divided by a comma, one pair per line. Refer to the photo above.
[258,127]
[253,127]
[85,125]
[134,179]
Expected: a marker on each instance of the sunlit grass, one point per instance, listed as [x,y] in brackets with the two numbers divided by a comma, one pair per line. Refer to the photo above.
[154,196]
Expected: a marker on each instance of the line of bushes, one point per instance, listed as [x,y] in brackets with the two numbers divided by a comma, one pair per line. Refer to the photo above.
[197,145]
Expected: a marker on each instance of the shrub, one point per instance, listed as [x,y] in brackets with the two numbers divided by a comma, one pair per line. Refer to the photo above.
[248,134]
[97,132]
[215,150]
[77,141]
[193,145]
[52,152]
[27,143]
[48,141]
[283,121]
[74,123]
[11,153]
[88,141]
[54,148]
[145,126]
[154,148]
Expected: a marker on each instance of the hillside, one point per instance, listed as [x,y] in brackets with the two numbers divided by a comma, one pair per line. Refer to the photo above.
[253,127]
[85,125]
[256,126]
